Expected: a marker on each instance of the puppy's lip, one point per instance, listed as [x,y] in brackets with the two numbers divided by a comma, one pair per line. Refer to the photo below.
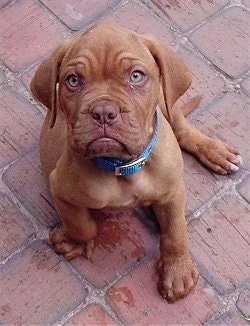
[104,139]
[105,146]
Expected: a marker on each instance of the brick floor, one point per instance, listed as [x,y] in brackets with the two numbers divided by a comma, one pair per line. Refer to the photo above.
[133,14]
[2,77]
[205,80]
[219,243]
[19,124]
[244,189]
[93,314]
[246,2]
[232,30]
[79,14]
[201,185]
[38,287]
[36,199]
[243,303]
[246,85]
[15,230]
[28,32]
[185,15]
[117,286]
[229,318]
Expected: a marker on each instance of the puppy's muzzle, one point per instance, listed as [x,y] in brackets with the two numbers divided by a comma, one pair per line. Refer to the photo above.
[104,113]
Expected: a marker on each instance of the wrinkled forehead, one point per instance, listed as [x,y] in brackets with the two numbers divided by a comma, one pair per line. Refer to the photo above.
[108,45]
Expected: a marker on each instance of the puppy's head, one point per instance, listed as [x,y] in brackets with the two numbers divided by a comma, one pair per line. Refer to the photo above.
[107,81]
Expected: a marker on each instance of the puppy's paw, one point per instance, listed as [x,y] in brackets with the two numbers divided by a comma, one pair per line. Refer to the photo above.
[219,157]
[177,277]
[66,246]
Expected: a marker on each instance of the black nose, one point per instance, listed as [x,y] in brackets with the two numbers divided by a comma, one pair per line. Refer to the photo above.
[104,113]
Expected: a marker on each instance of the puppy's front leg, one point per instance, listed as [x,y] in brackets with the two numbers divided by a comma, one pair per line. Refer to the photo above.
[76,235]
[178,273]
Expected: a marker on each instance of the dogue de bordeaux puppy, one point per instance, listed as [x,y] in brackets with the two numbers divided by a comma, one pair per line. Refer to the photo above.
[113,136]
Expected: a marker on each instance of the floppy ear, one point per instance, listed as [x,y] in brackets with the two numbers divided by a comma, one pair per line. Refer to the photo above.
[43,84]
[175,76]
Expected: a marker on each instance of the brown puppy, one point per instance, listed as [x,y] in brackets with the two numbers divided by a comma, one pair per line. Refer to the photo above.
[102,90]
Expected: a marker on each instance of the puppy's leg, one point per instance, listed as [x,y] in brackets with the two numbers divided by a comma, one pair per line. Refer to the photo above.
[217,155]
[178,273]
[76,235]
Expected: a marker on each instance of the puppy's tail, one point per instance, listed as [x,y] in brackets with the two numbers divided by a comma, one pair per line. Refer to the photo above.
[191,105]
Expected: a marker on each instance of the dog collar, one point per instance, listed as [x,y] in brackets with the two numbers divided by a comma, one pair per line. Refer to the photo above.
[121,167]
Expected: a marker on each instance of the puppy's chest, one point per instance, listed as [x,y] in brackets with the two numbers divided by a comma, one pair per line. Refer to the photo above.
[119,194]
[132,196]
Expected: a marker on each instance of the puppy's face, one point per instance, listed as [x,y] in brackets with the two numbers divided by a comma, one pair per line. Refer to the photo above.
[109,85]
[108,81]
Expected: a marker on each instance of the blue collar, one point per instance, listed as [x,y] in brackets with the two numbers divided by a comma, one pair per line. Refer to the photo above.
[120,167]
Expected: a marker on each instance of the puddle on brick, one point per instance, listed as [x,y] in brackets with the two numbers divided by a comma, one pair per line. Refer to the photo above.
[122,294]
[113,228]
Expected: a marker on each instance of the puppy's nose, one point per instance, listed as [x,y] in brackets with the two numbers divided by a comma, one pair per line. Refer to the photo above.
[105,113]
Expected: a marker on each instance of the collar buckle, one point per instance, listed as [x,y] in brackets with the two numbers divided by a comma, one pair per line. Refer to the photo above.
[130,167]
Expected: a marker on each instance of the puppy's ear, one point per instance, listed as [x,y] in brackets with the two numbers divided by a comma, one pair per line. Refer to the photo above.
[175,76]
[44,83]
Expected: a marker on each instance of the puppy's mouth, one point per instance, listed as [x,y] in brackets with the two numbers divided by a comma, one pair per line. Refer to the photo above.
[105,146]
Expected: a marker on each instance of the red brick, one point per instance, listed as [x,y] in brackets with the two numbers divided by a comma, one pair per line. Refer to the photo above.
[38,288]
[27,33]
[229,318]
[243,302]
[138,18]
[3,3]
[225,41]
[94,315]
[20,124]
[228,119]
[246,2]
[121,242]
[244,188]
[15,230]
[246,85]
[200,183]
[185,14]
[78,14]
[27,76]
[205,81]
[219,243]
[28,184]
[135,299]
[2,77]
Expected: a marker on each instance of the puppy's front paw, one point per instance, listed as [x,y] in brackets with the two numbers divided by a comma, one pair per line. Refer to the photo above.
[177,277]
[69,248]
[219,157]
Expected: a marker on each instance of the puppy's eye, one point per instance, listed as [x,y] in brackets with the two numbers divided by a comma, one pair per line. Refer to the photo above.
[73,81]
[137,76]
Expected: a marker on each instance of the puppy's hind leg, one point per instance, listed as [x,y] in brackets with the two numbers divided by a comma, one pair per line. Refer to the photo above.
[215,154]
[75,237]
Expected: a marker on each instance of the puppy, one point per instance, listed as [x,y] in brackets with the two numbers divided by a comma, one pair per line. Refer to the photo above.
[112,138]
